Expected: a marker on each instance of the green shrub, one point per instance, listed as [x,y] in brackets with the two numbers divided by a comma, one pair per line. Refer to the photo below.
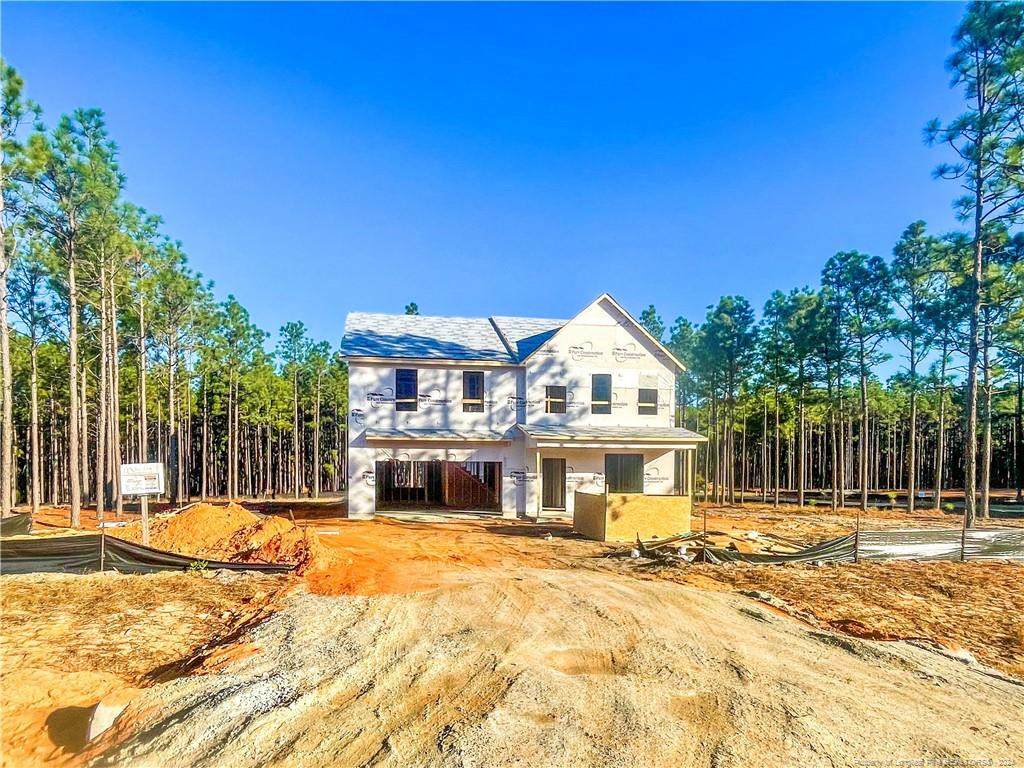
[197,566]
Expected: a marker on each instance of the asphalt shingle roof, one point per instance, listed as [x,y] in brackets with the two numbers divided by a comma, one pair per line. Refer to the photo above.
[427,337]
[526,334]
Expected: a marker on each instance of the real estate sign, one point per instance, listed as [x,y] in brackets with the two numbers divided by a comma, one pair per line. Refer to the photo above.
[142,479]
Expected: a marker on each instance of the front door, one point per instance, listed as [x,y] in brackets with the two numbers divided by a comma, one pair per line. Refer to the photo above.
[553,496]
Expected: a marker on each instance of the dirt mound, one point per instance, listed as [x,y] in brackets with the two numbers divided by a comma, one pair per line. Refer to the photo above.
[230,533]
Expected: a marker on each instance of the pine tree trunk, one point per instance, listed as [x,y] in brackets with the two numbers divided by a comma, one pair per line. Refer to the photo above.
[778,453]
[143,436]
[863,457]
[764,452]
[316,441]
[835,457]
[986,448]
[801,469]
[295,432]
[204,471]
[1018,428]
[173,468]
[7,394]
[75,440]
[971,420]
[34,427]
[101,404]
[115,409]
[743,465]
[234,444]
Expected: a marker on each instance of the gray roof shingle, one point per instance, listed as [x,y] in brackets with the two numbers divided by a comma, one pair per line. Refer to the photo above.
[526,334]
[426,337]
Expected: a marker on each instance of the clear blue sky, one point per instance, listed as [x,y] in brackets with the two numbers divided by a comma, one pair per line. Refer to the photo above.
[507,159]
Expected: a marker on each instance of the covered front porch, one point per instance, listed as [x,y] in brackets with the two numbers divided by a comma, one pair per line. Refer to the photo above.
[628,468]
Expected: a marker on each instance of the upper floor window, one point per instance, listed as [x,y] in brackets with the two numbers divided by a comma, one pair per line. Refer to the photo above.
[554,399]
[647,402]
[473,391]
[601,393]
[406,389]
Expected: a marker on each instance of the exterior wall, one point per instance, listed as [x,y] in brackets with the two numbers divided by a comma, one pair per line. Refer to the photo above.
[600,340]
[584,471]
[372,404]
[624,516]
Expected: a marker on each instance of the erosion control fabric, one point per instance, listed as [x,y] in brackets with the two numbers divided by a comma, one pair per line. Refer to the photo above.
[972,544]
[81,554]
[16,525]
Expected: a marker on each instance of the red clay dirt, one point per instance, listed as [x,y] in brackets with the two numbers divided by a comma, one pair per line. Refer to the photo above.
[228,533]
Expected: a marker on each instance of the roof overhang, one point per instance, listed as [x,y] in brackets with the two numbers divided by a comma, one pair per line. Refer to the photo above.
[428,361]
[668,438]
[375,435]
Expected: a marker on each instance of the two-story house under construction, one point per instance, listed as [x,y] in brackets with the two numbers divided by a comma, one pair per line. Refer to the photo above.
[511,414]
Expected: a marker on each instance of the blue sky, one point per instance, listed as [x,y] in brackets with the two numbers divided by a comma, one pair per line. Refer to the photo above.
[507,159]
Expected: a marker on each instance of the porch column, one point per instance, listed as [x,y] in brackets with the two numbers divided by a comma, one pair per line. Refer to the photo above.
[540,495]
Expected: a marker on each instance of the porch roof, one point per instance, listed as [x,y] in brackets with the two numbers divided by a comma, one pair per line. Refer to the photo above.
[379,434]
[561,435]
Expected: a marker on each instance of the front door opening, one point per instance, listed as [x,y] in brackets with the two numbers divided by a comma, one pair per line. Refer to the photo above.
[553,495]
[465,485]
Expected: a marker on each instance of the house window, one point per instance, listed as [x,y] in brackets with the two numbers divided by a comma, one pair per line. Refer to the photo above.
[554,399]
[624,472]
[406,390]
[473,391]
[601,393]
[647,402]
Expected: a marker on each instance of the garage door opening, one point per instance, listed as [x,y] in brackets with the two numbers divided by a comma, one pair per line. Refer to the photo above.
[466,485]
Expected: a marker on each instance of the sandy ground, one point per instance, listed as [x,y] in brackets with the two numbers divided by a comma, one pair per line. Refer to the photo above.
[495,642]
[972,607]
[69,641]
[566,668]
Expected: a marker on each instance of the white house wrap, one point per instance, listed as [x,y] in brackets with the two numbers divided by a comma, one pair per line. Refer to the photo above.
[510,414]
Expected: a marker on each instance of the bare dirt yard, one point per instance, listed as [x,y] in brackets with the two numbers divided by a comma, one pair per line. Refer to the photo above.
[478,641]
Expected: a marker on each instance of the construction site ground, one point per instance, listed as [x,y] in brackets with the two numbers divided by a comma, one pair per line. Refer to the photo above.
[476,641]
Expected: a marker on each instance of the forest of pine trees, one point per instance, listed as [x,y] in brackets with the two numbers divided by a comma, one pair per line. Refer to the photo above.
[114,350]
[794,402]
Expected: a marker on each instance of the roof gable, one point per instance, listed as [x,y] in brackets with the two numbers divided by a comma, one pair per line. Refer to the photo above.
[633,323]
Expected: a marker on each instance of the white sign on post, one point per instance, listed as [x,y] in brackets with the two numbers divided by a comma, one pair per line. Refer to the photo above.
[142,479]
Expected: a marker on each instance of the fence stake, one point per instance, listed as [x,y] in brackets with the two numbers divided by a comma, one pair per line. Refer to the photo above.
[856,540]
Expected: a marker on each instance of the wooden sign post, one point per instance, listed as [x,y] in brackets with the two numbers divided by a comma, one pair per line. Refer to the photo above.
[142,480]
